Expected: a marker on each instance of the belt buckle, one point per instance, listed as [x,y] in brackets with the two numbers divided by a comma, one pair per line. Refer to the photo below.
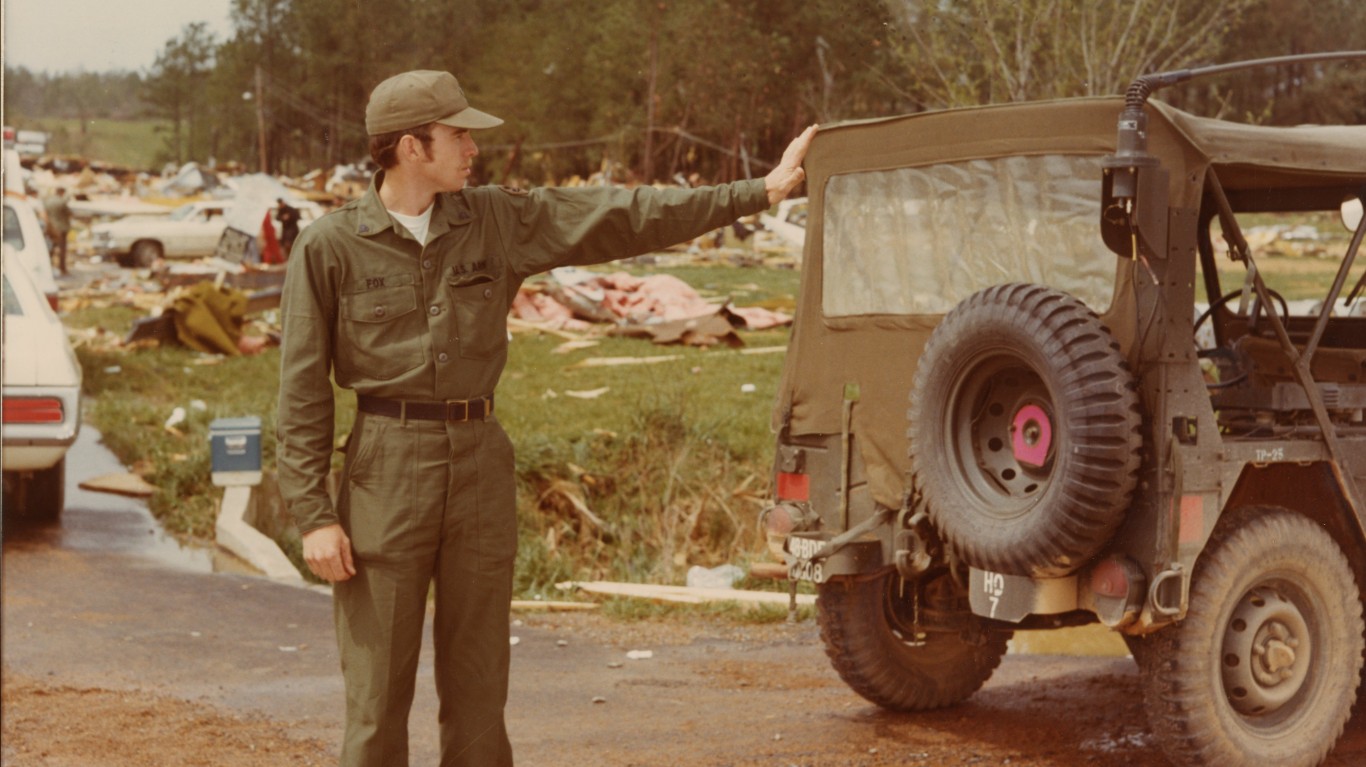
[465,409]
[451,405]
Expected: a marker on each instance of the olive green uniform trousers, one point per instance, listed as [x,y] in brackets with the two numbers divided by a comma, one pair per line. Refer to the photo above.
[424,501]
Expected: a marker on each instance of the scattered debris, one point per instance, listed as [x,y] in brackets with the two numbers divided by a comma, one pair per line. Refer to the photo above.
[722,577]
[589,394]
[684,594]
[599,362]
[639,654]
[660,307]
[538,605]
[176,418]
[119,484]
[573,346]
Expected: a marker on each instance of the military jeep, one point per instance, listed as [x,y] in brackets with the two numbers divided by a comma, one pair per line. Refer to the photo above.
[1037,381]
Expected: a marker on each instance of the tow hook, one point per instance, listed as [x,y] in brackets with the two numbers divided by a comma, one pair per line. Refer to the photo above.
[913,548]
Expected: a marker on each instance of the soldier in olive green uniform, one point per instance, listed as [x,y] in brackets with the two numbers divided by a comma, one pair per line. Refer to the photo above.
[403,296]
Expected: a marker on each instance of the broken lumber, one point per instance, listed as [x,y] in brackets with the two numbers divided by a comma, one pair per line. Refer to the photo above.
[684,594]
[541,605]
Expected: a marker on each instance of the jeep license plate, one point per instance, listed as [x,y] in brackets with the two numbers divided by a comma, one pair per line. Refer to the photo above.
[804,570]
[800,565]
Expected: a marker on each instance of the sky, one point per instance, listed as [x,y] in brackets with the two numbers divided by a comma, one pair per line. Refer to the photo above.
[101,35]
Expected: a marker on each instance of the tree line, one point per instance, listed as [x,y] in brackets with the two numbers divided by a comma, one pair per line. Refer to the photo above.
[660,89]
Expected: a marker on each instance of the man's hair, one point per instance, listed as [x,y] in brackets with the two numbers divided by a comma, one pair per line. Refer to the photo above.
[384,147]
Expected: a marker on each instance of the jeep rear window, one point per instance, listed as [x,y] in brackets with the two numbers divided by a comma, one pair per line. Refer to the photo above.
[919,240]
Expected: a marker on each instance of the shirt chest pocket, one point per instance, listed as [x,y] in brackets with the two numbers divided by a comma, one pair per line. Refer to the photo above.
[481,309]
[382,331]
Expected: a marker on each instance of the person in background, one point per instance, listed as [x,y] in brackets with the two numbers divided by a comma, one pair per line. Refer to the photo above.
[58,212]
[403,296]
[288,216]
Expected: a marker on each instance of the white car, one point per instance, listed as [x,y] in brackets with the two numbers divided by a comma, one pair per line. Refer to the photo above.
[23,234]
[189,231]
[42,396]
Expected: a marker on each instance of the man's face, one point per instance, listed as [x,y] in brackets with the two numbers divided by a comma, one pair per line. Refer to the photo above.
[447,163]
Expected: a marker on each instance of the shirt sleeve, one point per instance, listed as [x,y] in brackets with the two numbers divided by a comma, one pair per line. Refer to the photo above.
[577,226]
[305,421]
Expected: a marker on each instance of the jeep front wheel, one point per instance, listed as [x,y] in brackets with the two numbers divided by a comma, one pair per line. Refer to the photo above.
[868,627]
[1024,431]
[1265,666]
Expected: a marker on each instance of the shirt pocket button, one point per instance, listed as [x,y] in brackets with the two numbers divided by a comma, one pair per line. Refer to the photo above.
[379,311]
[488,292]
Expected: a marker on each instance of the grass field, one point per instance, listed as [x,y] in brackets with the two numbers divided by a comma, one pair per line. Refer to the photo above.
[136,144]
[673,457]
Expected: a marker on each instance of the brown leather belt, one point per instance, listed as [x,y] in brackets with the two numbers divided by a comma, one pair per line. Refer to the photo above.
[458,410]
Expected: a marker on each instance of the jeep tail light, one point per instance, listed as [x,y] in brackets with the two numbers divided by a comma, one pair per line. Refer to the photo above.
[1109,579]
[794,487]
[33,410]
[53,302]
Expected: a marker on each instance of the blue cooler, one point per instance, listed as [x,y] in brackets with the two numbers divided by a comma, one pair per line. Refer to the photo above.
[235,448]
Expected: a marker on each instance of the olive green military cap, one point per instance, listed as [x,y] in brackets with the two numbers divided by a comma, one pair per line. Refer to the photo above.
[420,97]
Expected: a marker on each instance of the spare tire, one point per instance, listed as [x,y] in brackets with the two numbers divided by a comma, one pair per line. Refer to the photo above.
[1024,431]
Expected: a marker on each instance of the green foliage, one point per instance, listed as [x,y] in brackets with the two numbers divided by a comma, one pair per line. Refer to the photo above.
[78,96]
[656,89]
[1291,95]
[176,89]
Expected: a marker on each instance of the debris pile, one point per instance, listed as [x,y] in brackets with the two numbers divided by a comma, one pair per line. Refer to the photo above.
[571,302]
[659,307]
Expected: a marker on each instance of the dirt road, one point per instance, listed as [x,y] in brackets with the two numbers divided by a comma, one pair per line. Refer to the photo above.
[117,653]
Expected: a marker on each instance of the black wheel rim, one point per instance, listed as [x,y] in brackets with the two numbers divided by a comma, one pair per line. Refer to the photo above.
[1002,434]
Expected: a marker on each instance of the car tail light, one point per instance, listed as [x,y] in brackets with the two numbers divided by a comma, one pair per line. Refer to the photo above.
[33,410]
[794,487]
[53,302]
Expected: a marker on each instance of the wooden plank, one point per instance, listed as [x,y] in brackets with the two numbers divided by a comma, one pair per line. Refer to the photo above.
[684,594]
[538,605]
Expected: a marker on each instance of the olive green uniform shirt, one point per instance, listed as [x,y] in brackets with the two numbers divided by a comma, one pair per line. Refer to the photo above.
[366,303]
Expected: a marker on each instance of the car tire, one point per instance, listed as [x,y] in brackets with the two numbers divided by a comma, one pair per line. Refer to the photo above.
[1265,666]
[46,493]
[863,626]
[1024,431]
[145,253]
